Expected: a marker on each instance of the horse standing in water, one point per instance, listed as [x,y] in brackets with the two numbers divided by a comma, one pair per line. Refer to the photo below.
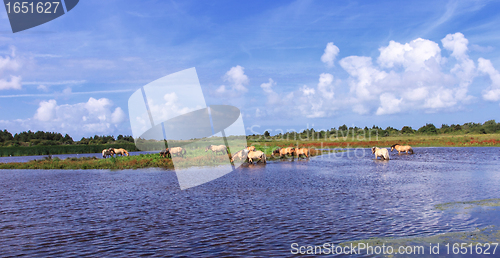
[382,153]
[242,154]
[400,148]
[256,155]
[302,151]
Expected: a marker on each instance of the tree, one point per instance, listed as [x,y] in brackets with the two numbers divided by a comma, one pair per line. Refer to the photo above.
[407,130]
[428,129]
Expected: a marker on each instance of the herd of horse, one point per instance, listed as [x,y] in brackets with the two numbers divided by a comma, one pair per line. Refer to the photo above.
[249,154]
[384,153]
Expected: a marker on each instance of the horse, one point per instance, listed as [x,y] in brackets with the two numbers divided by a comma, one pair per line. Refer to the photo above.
[382,153]
[217,148]
[283,152]
[251,148]
[276,152]
[178,151]
[242,154]
[165,153]
[400,148]
[302,151]
[120,151]
[107,153]
[261,156]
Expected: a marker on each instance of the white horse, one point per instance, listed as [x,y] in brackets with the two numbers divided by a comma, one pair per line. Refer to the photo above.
[383,153]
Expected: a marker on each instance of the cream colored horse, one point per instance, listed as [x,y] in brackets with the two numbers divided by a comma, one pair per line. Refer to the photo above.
[217,148]
[251,148]
[383,153]
[242,154]
[400,148]
[120,151]
[261,156]
[107,153]
[302,151]
[178,151]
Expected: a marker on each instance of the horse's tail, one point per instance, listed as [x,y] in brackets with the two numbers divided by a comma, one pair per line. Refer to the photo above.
[183,151]
[411,150]
[264,158]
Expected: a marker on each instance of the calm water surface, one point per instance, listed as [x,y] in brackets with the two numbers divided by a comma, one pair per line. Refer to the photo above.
[254,211]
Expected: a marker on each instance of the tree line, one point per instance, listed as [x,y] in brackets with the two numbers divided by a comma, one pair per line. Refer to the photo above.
[41,138]
[488,127]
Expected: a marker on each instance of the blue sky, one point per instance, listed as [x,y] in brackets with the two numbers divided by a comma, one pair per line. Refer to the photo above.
[285,64]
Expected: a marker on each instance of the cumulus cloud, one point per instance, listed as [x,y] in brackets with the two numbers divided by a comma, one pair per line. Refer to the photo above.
[13,83]
[364,77]
[492,93]
[457,43]
[389,104]
[272,96]
[236,76]
[307,91]
[331,52]
[96,116]
[413,56]
[169,107]
[10,63]
[411,73]
[325,85]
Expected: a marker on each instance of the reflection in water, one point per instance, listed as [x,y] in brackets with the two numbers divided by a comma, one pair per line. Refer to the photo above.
[257,210]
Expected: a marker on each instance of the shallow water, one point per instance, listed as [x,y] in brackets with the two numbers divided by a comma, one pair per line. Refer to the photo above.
[257,210]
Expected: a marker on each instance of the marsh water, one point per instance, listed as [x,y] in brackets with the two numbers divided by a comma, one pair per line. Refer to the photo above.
[256,210]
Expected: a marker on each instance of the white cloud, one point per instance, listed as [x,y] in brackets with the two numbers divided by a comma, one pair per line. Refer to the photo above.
[456,43]
[96,116]
[389,104]
[272,97]
[169,107]
[307,91]
[46,111]
[364,76]
[42,88]
[13,83]
[10,63]
[325,85]
[492,93]
[331,52]
[413,56]
[412,73]
[118,116]
[236,76]
[221,89]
